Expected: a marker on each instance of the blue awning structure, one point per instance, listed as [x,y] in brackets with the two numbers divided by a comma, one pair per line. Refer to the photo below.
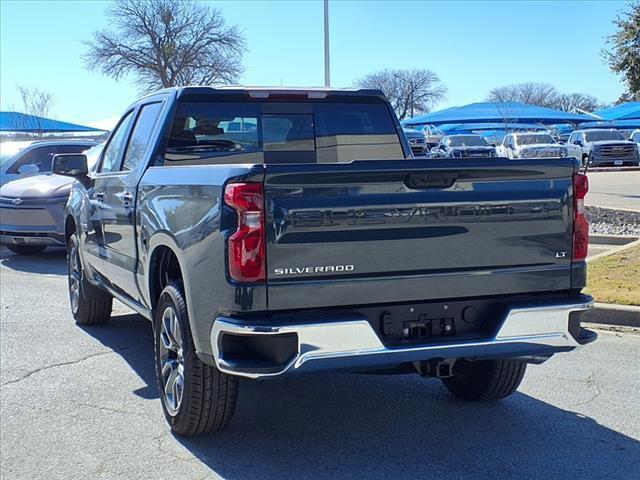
[21,122]
[624,111]
[498,112]
[454,128]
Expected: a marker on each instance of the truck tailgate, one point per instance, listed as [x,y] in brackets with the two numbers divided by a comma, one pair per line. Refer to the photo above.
[402,231]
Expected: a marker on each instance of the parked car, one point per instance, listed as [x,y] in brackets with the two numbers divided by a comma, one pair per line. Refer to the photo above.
[320,245]
[531,145]
[417,142]
[22,159]
[432,134]
[32,210]
[602,148]
[463,146]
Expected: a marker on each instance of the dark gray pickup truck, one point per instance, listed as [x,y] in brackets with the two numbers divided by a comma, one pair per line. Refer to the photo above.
[267,232]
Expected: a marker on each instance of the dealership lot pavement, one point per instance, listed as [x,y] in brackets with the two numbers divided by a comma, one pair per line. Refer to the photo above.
[614,190]
[82,403]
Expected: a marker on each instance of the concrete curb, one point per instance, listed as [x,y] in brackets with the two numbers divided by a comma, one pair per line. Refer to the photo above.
[613,250]
[611,239]
[612,314]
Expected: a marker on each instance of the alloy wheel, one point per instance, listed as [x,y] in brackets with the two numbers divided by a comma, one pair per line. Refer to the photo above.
[171,360]
[74,278]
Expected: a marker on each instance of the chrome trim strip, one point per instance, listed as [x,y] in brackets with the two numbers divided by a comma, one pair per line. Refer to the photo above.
[545,325]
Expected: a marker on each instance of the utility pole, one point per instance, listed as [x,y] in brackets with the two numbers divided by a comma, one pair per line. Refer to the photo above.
[327,70]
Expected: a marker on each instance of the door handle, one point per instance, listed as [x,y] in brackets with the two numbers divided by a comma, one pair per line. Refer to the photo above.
[100,196]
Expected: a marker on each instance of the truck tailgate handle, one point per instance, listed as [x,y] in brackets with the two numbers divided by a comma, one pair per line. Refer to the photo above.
[420,180]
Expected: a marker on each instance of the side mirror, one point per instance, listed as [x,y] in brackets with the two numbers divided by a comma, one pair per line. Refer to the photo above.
[70,165]
[29,169]
[577,142]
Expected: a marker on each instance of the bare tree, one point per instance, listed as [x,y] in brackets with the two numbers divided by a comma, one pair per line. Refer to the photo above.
[32,114]
[577,102]
[166,43]
[410,92]
[542,94]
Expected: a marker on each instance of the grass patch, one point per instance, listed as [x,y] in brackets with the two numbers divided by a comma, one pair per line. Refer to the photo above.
[616,278]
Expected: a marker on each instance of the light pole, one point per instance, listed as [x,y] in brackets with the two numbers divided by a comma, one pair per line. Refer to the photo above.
[327,70]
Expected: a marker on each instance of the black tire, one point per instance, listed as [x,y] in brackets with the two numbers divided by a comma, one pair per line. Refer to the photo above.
[204,399]
[485,380]
[26,249]
[89,304]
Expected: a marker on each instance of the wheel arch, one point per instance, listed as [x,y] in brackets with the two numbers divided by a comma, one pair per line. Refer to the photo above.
[164,265]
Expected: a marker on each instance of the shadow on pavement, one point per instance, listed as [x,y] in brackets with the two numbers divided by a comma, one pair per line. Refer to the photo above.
[370,426]
[131,337]
[52,261]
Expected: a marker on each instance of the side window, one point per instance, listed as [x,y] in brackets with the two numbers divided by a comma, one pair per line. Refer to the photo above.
[73,148]
[113,151]
[572,137]
[40,157]
[141,135]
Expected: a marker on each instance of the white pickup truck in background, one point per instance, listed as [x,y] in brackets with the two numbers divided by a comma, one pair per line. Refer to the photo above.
[603,148]
[531,145]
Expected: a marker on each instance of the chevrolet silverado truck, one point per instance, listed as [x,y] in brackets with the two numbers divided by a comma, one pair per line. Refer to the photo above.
[603,148]
[271,232]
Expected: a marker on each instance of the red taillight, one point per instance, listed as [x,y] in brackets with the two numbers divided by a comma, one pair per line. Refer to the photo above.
[247,244]
[580,224]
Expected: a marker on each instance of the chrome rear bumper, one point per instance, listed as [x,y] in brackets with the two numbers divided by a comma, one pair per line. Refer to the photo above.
[538,330]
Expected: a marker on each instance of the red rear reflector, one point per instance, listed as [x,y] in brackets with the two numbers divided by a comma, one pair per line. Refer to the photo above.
[247,244]
[580,223]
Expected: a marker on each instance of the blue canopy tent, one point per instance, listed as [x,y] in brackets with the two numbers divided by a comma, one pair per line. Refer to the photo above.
[461,128]
[499,112]
[21,122]
[625,111]
[630,124]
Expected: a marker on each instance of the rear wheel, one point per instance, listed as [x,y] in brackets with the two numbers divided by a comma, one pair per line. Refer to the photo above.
[89,304]
[485,380]
[196,398]
[26,249]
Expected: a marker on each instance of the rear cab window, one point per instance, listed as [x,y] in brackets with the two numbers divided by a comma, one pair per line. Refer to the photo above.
[281,132]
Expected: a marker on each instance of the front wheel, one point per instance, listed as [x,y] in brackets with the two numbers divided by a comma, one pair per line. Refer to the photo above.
[196,398]
[485,380]
[26,249]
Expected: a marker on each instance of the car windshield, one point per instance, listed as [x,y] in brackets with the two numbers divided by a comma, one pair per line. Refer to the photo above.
[467,141]
[534,139]
[603,135]
[9,149]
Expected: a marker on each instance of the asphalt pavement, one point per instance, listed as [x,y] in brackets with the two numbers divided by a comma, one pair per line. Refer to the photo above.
[617,189]
[82,403]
